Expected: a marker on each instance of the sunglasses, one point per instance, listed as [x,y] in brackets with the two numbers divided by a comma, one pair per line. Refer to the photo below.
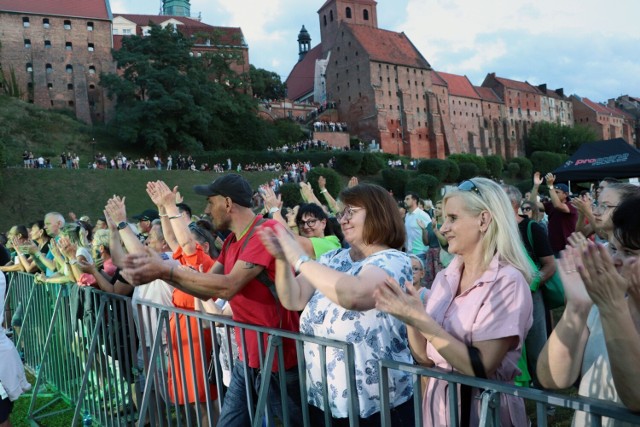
[468,185]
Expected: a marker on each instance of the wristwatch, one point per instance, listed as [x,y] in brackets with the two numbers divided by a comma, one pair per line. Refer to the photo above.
[273,210]
[299,262]
[122,225]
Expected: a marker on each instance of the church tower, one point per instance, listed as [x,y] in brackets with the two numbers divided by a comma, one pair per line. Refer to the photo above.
[304,43]
[333,12]
[176,8]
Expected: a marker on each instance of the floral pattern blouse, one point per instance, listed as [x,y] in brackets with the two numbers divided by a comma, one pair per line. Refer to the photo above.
[375,335]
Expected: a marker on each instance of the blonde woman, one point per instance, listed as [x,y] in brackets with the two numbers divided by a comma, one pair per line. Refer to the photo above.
[479,310]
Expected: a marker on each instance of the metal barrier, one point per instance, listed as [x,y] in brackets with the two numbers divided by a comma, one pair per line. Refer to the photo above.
[83,347]
[490,397]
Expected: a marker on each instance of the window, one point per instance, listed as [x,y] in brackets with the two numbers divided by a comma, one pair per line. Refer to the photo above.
[92,86]
[69,86]
[115,31]
[27,43]
[348,13]
[50,86]
[127,32]
[67,24]
[69,68]
[25,22]
[324,18]
[92,69]
[47,43]
[29,67]
[365,15]
[30,85]
[331,15]
[48,68]
[68,46]
[91,47]
[70,103]
[89,26]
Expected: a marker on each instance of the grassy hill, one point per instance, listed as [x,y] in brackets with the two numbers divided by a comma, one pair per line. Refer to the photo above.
[50,132]
[28,194]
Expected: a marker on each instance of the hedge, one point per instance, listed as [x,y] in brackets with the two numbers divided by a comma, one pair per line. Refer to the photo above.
[291,195]
[424,185]
[495,165]
[435,167]
[334,184]
[546,161]
[371,164]
[468,170]
[395,180]
[348,163]
[526,167]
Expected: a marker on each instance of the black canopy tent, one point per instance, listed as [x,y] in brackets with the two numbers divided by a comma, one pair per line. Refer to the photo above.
[596,160]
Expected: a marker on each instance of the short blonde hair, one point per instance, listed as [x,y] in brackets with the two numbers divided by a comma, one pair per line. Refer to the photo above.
[501,233]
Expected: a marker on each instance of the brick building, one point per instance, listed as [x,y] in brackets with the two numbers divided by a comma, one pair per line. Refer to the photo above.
[207,38]
[57,51]
[556,107]
[631,106]
[493,127]
[607,122]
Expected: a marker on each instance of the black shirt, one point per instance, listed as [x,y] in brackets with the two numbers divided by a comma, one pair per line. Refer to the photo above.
[541,246]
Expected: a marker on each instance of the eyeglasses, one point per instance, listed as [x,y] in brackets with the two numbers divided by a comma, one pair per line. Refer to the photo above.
[526,209]
[468,185]
[604,207]
[416,268]
[309,223]
[347,213]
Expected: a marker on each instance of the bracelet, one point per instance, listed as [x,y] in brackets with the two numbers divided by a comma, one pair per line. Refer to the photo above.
[176,216]
[72,261]
[163,215]
[171,273]
[299,262]
[324,190]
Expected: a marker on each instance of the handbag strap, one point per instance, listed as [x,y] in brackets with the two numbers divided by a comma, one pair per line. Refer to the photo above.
[466,390]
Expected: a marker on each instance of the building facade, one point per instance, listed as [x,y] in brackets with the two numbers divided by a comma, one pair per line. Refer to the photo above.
[57,50]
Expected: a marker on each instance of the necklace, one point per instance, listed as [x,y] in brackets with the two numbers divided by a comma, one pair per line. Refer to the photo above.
[246,228]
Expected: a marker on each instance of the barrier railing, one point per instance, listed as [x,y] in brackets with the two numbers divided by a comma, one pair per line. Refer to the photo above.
[490,397]
[85,347]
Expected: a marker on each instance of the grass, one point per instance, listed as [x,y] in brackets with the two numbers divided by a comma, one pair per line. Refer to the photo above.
[28,194]
[21,409]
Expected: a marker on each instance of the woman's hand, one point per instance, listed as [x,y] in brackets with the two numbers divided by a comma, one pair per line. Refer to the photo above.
[583,206]
[271,243]
[270,199]
[353,181]
[116,209]
[606,287]
[86,267]
[578,241]
[392,299]
[574,288]
[322,182]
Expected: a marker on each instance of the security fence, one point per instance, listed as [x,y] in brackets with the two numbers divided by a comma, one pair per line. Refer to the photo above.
[118,364]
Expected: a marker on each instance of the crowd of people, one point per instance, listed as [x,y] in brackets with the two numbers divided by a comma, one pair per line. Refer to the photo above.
[459,285]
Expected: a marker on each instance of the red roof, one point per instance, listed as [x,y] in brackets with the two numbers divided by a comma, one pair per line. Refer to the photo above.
[437,80]
[521,86]
[301,79]
[227,36]
[388,46]
[94,9]
[459,85]
[487,94]
[599,108]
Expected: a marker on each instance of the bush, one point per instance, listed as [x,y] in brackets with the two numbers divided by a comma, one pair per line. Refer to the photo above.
[424,185]
[513,170]
[291,194]
[524,185]
[454,171]
[495,165]
[435,167]
[468,171]
[480,162]
[334,185]
[349,163]
[395,180]
[371,164]
[526,167]
[546,161]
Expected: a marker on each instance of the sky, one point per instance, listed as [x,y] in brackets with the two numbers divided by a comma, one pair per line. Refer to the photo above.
[587,47]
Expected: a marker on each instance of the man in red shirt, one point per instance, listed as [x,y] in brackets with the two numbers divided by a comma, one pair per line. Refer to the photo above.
[563,216]
[237,276]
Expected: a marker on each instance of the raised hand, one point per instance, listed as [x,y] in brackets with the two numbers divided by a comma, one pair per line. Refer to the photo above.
[550,178]
[306,191]
[392,299]
[269,197]
[270,241]
[606,287]
[322,182]
[583,206]
[537,179]
[352,182]
[113,227]
[116,209]
[569,265]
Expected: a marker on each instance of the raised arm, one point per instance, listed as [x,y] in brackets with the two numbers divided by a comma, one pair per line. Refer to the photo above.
[560,360]
[167,229]
[117,211]
[555,200]
[537,182]
[586,221]
[177,222]
[331,202]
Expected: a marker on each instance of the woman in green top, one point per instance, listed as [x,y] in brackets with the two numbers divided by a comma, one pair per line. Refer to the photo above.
[315,230]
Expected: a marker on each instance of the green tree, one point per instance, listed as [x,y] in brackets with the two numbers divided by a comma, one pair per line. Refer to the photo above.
[557,138]
[266,84]
[169,98]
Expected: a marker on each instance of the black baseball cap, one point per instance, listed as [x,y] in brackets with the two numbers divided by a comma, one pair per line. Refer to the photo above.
[231,185]
[147,215]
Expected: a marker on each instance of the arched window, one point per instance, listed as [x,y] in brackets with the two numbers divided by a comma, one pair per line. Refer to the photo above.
[348,13]
[325,20]
[69,68]
[48,68]
[67,24]
[92,69]
[68,46]
[331,15]
[365,14]
[29,67]
[90,26]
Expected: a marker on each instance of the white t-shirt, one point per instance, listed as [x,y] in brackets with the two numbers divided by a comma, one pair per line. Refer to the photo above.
[414,232]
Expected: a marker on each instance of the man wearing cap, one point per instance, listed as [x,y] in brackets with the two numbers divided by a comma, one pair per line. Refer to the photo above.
[145,220]
[563,216]
[235,277]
